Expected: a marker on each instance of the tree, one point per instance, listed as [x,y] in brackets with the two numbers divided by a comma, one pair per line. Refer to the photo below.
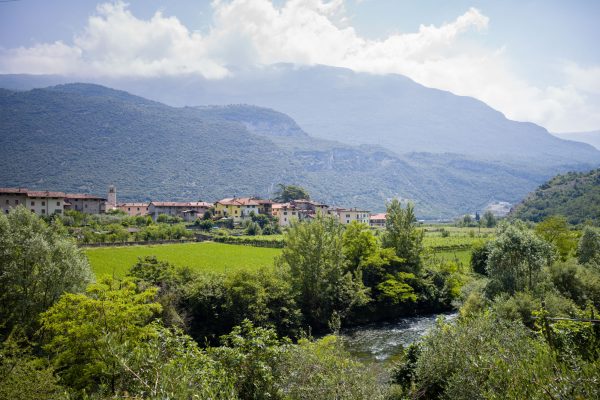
[263,297]
[314,260]
[479,257]
[83,327]
[555,230]
[24,377]
[489,219]
[358,243]
[287,193]
[467,220]
[516,258]
[403,236]
[38,263]
[250,355]
[589,245]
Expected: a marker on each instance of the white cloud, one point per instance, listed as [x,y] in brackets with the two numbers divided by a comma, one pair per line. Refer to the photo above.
[256,32]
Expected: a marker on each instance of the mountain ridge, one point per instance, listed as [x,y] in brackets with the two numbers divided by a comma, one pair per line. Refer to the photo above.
[83,137]
[359,108]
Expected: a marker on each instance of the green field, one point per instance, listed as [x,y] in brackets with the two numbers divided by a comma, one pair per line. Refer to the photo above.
[223,258]
[207,256]
[461,256]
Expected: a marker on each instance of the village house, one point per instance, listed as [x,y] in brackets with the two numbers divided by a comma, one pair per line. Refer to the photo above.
[187,210]
[240,208]
[298,210]
[286,213]
[377,220]
[134,209]
[85,203]
[39,202]
[347,215]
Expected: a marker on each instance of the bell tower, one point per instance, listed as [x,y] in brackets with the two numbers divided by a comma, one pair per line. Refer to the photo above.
[112,198]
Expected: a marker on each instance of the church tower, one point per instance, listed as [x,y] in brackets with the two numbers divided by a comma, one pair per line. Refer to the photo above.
[111,204]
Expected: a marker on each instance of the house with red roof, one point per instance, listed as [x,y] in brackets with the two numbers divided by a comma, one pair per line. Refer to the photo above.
[188,210]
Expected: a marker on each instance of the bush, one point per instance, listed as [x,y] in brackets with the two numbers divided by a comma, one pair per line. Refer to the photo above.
[488,357]
[324,370]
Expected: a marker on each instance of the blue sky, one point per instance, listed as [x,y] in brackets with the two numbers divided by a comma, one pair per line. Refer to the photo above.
[533,60]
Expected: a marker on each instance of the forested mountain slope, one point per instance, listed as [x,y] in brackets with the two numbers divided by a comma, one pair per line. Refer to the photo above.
[574,195]
[82,137]
[360,108]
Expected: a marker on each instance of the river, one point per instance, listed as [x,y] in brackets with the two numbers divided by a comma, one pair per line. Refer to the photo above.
[381,341]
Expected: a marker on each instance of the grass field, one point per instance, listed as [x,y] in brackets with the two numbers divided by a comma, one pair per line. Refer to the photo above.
[461,256]
[223,258]
[207,256]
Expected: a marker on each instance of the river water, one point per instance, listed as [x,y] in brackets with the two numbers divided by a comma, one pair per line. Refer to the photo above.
[381,341]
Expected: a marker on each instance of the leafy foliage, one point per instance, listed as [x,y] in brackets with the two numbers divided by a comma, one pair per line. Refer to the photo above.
[38,263]
[82,328]
[402,235]
[287,193]
[516,258]
[314,261]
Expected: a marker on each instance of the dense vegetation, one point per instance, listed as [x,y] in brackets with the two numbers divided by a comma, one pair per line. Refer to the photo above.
[94,136]
[573,195]
[525,328]
[166,331]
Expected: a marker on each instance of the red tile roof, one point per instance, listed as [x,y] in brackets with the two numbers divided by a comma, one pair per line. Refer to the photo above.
[13,190]
[180,204]
[240,201]
[83,196]
[378,216]
[277,206]
[133,205]
[60,195]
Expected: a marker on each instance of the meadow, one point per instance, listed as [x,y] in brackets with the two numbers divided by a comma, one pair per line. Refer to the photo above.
[225,258]
[206,256]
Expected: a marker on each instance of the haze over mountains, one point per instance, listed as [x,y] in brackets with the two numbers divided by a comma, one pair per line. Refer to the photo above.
[352,139]
[591,137]
[358,108]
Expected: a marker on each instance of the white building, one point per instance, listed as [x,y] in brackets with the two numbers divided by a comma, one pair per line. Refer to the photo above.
[39,202]
[347,215]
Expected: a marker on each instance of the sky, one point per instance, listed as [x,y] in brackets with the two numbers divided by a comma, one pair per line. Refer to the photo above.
[533,60]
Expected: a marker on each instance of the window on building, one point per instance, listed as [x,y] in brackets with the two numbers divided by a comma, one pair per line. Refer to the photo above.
[85,206]
[58,211]
[58,203]
[43,203]
[33,203]
[285,213]
[16,201]
[6,211]
[129,208]
[32,210]
[347,215]
[43,211]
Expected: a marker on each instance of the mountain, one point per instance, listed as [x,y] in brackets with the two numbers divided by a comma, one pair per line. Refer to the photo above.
[573,195]
[591,137]
[82,137]
[338,104]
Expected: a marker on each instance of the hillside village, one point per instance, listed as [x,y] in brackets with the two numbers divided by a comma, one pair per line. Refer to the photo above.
[236,209]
